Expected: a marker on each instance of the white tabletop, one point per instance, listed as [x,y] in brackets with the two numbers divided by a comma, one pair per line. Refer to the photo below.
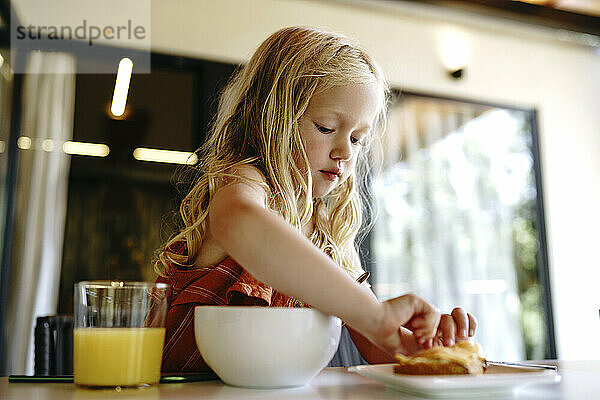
[580,380]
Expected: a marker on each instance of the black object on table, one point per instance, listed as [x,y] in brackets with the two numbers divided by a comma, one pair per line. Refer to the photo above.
[53,345]
[165,378]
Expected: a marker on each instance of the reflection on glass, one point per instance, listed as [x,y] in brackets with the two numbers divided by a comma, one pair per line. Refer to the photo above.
[457,218]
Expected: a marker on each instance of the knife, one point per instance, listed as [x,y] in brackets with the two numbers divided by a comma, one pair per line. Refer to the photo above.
[522,364]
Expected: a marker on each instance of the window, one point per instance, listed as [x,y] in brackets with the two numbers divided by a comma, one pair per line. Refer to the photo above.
[120,209]
[460,219]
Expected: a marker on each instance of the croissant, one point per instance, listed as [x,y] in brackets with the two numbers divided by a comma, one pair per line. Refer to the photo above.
[462,358]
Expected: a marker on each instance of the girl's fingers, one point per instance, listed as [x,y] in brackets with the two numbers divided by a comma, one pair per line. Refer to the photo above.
[447,329]
[422,333]
[424,337]
[419,323]
[414,313]
[408,341]
[423,328]
[425,318]
[472,324]
[426,312]
[461,322]
[429,328]
[411,312]
[421,339]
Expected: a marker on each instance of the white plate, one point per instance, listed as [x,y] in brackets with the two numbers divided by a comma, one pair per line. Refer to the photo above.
[498,379]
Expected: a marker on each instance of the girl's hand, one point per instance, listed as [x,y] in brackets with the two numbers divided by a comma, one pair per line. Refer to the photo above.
[411,312]
[455,327]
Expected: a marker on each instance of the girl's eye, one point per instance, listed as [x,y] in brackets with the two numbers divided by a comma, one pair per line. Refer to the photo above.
[356,141]
[322,129]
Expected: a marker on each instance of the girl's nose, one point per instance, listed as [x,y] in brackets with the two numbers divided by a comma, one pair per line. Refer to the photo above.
[342,150]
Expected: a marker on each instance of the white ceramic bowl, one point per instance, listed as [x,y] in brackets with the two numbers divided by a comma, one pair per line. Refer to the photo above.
[266,347]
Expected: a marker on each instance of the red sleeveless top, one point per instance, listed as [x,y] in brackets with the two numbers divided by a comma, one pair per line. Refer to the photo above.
[225,283]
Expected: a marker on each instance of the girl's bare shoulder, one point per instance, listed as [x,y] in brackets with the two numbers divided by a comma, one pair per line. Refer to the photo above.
[246,181]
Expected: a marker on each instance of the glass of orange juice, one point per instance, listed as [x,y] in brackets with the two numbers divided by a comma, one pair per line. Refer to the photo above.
[118,335]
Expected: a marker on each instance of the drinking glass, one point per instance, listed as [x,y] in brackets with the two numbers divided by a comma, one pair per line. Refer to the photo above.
[118,335]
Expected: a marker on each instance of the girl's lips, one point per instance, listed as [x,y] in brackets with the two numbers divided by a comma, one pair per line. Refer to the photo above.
[330,176]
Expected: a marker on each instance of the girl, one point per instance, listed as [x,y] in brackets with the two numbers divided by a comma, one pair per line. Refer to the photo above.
[274,209]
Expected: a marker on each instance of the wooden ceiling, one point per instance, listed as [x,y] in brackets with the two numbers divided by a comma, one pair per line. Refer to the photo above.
[584,7]
[573,15]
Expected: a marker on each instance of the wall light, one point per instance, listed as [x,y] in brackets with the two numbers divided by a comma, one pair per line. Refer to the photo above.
[119,100]
[86,149]
[47,145]
[454,52]
[165,156]
[24,142]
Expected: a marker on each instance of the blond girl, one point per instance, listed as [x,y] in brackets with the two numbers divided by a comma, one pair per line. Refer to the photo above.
[274,211]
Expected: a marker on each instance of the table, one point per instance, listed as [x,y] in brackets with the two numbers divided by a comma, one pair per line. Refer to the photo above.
[580,380]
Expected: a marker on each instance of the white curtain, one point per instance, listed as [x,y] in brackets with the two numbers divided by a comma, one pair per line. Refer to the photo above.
[41,201]
[453,175]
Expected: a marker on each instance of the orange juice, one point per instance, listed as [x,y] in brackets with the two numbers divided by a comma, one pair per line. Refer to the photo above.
[117,356]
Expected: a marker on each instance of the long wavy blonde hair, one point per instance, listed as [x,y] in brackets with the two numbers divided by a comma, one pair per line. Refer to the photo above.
[257,125]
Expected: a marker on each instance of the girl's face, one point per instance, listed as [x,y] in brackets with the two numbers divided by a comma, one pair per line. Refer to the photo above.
[333,130]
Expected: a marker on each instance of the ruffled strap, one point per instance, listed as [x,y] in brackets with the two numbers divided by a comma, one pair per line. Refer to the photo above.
[219,284]
[248,285]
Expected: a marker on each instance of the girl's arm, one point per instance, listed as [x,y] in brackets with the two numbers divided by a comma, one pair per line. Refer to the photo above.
[277,254]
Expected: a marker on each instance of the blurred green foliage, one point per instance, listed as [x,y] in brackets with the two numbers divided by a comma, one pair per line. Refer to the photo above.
[526,258]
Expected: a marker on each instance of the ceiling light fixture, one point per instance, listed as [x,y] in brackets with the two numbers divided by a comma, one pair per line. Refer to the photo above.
[24,142]
[165,156]
[119,100]
[47,145]
[86,149]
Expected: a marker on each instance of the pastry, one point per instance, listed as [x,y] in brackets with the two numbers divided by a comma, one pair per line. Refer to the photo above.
[462,358]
